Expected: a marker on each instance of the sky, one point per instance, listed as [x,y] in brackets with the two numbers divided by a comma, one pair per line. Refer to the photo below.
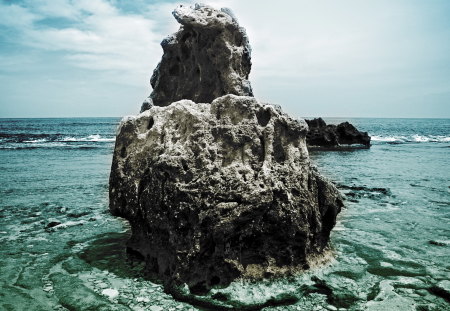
[347,58]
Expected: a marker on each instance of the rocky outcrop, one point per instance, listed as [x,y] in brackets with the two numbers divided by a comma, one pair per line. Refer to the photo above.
[323,135]
[207,58]
[223,189]
[217,191]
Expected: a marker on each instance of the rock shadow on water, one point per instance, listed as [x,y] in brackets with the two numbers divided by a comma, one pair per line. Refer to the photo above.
[339,148]
[108,252]
[220,301]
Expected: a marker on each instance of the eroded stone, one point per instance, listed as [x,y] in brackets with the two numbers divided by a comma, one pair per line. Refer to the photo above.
[208,57]
[218,191]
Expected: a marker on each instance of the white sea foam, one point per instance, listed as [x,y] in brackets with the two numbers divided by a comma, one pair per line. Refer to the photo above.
[69,224]
[420,138]
[90,138]
[69,139]
[97,137]
[389,138]
[416,138]
[67,142]
[36,141]
[93,138]
[110,292]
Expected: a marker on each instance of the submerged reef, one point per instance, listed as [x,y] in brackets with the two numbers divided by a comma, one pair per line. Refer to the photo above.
[215,184]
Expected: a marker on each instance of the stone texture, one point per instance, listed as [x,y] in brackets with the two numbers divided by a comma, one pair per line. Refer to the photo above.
[215,184]
[208,57]
[218,191]
[321,134]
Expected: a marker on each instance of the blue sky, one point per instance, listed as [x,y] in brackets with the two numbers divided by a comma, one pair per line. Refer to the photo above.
[348,58]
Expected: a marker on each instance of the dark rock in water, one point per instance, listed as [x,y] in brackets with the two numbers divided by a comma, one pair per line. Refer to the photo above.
[222,190]
[207,58]
[437,243]
[384,191]
[358,192]
[442,289]
[220,296]
[321,134]
[52,224]
[338,293]
[77,214]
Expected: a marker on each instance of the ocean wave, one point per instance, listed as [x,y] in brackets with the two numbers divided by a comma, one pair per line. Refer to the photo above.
[416,138]
[51,138]
[90,138]
[55,145]
[21,141]
[35,141]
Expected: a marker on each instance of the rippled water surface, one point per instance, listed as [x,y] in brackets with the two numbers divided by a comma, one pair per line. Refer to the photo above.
[61,250]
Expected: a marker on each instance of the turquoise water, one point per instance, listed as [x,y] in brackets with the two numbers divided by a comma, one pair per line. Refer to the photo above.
[61,250]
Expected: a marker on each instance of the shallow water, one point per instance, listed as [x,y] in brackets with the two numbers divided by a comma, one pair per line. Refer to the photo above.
[61,250]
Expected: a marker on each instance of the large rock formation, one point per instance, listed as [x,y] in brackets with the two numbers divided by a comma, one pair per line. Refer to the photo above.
[323,135]
[221,190]
[207,58]
[216,191]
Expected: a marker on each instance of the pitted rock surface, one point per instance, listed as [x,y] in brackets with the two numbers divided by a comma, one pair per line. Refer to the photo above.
[209,56]
[219,191]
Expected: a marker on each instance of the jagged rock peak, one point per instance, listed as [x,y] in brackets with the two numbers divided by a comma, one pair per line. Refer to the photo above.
[208,57]
[205,16]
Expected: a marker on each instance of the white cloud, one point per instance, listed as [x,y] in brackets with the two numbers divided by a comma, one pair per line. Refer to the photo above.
[101,37]
[310,52]
[55,8]
[303,40]
[16,16]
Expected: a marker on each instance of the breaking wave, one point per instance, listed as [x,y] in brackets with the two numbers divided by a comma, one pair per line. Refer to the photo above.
[20,141]
[93,138]
[416,138]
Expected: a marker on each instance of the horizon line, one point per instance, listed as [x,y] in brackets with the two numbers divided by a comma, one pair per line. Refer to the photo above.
[303,117]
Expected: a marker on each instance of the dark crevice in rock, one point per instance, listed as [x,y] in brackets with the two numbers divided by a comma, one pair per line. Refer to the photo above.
[123,152]
[151,122]
[263,116]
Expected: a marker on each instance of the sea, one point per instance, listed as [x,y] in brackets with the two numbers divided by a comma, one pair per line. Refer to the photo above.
[60,249]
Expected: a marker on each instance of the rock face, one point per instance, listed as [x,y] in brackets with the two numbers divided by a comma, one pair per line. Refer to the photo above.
[207,58]
[220,190]
[321,134]
[217,191]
